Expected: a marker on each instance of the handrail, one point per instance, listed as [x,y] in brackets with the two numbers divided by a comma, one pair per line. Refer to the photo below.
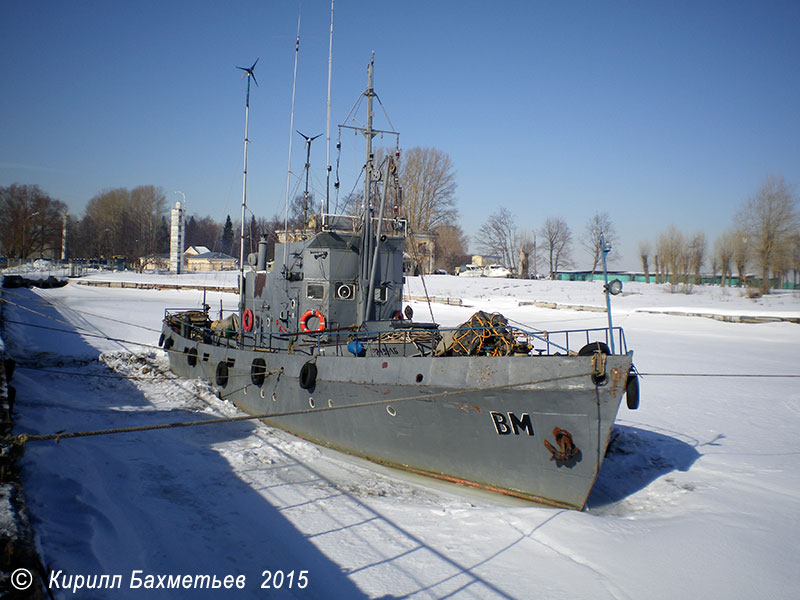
[555,342]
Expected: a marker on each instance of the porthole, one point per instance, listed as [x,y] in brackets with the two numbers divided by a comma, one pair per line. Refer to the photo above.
[392,412]
[191,357]
[311,403]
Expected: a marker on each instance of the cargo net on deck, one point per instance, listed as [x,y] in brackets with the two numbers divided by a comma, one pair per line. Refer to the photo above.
[483,335]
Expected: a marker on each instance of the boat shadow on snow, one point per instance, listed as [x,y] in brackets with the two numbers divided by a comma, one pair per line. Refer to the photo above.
[634,459]
[166,501]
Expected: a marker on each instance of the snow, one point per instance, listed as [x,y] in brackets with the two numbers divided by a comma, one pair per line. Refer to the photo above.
[698,497]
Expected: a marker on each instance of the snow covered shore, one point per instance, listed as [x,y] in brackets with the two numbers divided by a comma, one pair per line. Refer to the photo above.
[698,495]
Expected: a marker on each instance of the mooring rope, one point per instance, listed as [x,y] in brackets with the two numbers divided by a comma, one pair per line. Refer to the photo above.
[767,375]
[22,439]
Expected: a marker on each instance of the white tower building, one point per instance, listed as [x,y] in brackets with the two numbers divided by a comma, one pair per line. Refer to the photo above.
[176,239]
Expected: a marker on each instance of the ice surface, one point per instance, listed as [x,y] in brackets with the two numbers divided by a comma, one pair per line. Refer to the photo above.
[698,496]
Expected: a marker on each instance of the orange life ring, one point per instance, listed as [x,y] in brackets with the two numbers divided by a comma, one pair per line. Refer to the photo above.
[247,319]
[306,316]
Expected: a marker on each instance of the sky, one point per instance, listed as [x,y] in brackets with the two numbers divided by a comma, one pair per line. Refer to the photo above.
[656,113]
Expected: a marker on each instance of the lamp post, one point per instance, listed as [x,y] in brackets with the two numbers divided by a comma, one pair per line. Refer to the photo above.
[64,218]
[610,289]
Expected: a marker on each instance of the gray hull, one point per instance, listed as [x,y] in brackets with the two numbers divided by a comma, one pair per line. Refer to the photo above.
[478,420]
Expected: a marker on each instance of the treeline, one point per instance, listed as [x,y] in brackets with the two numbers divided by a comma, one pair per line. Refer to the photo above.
[117,223]
[764,240]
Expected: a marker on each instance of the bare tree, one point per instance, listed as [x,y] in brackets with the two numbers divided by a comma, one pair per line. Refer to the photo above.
[741,255]
[659,267]
[498,237]
[429,186]
[106,221]
[451,247]
[696,251]
[723,253]
[674,257]
[795,257]
[599,224]
[557,239]
[30,222]
[644,253]
[147,205]
[528,254]
[770,219]
[125,222]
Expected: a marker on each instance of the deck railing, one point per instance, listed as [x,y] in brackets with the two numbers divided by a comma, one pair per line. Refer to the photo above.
[397,341]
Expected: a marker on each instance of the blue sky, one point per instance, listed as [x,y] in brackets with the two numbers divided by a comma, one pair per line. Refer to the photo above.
[655,112]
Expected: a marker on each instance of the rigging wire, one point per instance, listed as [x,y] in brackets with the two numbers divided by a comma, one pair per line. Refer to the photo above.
[80,312]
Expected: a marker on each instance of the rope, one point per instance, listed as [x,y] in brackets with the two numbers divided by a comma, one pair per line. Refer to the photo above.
[80,312]
[78,331]
[22,439]
[421,272]
[767,375]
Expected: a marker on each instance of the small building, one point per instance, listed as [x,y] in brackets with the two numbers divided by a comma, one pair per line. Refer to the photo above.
[200,258]
[596,275]
[154,262]
[485,261]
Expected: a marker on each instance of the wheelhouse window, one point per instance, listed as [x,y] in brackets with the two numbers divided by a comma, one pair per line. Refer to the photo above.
[381,294]
[315,291]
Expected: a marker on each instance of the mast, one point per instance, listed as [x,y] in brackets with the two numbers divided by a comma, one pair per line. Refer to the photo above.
[291,137]
[368,242]
[328,128]
[306,194]
[366,229]
[250,73]
[374,266]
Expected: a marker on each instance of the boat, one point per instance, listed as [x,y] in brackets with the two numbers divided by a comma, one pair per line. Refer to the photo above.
[470,271]
[322,347]
[496,271]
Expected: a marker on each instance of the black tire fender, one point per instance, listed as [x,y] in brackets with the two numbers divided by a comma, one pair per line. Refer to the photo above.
[593,347]
[308,375]
[222,374]
[258,371]
[632,390]
[9,364]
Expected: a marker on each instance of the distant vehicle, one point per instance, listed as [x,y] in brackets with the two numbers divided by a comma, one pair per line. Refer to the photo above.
[440,272]
[470,271]
[496,271]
